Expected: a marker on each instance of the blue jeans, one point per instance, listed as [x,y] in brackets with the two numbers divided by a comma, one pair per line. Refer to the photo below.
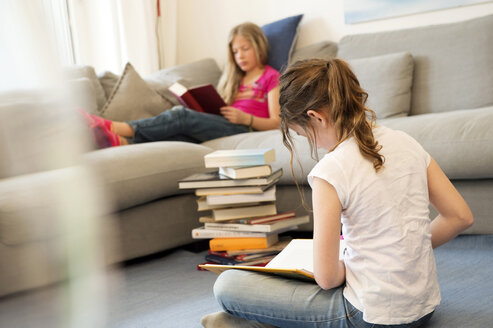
[289,303]
[183,124]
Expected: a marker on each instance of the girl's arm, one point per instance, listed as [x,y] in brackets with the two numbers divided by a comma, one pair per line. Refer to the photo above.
[455,216]
[236,116]
[329,271]
[274,121]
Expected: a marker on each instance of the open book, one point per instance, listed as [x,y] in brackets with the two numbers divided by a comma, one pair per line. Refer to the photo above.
[294,261]
[203,98]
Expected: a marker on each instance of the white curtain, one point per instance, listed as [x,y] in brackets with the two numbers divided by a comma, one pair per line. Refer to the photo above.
[28,56]
[109,33]
[168,32]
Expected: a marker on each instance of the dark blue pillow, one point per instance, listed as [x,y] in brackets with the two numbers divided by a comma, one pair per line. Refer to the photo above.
[281,35]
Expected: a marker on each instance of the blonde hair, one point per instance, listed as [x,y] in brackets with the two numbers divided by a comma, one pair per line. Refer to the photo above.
[231,78]
[330,87]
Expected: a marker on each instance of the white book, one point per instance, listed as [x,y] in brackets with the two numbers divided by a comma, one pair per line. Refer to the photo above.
[267,196]
[239,157]
[233,190]
[244,212]
[205,233]
[202,205]
[265,227]
[244,172]
[215,180]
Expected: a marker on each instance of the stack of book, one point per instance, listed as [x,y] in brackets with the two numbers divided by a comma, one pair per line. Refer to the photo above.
[237,200]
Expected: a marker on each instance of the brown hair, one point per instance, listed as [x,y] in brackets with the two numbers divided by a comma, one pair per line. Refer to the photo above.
[330,87]
[232,75]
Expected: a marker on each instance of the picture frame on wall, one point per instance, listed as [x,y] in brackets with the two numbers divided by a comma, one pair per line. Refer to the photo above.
[358,11]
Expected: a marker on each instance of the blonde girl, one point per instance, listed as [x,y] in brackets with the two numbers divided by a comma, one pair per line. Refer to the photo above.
[375,184]
[248,85]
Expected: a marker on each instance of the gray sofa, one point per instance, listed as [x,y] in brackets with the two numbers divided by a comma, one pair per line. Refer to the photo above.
[434,83]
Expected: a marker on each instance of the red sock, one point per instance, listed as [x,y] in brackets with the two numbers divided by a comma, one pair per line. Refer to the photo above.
[102,130]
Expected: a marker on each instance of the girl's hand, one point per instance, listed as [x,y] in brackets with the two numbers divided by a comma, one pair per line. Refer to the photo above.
[235,115]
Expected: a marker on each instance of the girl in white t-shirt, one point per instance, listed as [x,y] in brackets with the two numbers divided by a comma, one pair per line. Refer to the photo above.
[375,184]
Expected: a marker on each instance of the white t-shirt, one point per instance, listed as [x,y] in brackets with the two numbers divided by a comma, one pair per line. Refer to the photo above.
[390,266]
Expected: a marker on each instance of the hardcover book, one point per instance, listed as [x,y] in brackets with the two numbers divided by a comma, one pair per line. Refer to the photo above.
[202,205]
[239,157]
[223,214]
[245,172]
[294,261]
[202,98]
[206,233]
[215,180]
[220,200]
[273,226]
[277,247]
[268,218]
[226,244]
[233,190]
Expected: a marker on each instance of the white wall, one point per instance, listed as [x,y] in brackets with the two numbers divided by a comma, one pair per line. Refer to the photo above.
[202,26]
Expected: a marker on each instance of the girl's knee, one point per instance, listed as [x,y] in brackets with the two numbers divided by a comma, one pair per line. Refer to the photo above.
[225,284]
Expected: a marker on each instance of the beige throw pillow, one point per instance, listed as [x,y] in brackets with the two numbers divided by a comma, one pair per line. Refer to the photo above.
[388,80]
[132,99]
[80,71]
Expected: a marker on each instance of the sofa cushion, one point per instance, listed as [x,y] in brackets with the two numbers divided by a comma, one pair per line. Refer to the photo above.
[388,80]
[452,62]
[78,71]
[460,141]
[133,99]
[321,50]
[201,72]
[36,207]
[39,131]
[282,36]
[140,173]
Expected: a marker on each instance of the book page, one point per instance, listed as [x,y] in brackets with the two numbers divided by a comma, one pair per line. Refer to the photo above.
[298,255]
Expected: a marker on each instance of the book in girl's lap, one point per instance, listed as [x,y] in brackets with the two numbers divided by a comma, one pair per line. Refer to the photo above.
[378,183]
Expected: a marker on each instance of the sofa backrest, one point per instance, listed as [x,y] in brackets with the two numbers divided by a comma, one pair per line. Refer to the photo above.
[453,63]
[39,131]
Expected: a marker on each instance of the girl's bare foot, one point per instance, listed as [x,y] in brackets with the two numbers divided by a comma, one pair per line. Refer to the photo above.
[123,129]
[123,141]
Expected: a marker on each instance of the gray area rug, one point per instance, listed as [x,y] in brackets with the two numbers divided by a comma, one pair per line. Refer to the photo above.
[168,291]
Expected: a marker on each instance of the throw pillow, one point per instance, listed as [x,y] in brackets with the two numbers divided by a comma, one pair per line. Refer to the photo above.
[133,99]
[108,80]
[388,80]
[76,72]
[83,95]
[282,38]
[321,50]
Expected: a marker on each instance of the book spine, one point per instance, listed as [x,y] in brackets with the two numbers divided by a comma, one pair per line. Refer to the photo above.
[268,219]
[237,227]
[220,260]
[208,234]
[229,244]
[243,212]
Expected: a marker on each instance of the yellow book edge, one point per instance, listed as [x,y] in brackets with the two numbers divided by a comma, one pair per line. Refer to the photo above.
[289,273]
